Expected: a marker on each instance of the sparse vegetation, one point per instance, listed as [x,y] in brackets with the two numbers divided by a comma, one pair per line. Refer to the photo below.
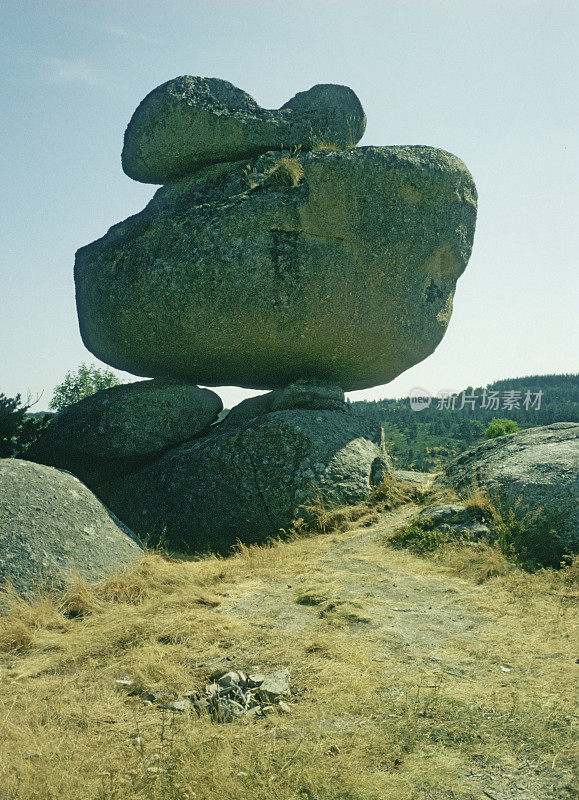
[322,516]
[533,539]
[76,385]
[326,140]
[287,172]
[530,539]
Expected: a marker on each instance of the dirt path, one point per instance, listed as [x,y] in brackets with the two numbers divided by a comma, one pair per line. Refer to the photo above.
[444,633]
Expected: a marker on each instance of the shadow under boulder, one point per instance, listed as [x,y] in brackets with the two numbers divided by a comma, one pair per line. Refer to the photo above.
[249,482]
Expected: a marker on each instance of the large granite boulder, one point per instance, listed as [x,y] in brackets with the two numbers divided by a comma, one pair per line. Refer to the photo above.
[249,482]
[190,122]
[52,526]
[533,473]
[332,266]
[124,427]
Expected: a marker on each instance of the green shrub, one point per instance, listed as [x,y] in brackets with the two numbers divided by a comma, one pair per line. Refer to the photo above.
[500,427]
[82,383]
[418,538]
[17,429]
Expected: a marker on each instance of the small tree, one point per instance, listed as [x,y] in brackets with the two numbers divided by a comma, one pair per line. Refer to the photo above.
[500,427]
[17,428]
[82,383]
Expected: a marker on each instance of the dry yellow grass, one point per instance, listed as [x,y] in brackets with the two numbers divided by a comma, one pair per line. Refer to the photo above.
[387,704]
[287,172]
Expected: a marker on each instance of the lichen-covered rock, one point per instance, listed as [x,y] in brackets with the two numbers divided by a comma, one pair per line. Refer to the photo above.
[534,474]
[249,482]
[451,514]
[301,394]
[345,275]
[308,394]
[248,409]
[52,526]
[190,122]
[120,427]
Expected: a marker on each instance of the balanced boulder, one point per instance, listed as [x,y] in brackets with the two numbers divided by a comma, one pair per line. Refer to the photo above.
[52,527]
[250,482]
[190,122]
[125,426]
[335,266]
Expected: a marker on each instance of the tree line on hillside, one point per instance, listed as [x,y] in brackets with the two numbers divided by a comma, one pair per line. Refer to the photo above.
[424,439]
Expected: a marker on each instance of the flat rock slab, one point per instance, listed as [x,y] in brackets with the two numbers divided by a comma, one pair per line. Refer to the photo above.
[52,526]
[250,482]
[258,274]
[120,427]
[190,122]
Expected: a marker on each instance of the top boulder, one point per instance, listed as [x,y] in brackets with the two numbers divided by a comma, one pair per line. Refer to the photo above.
[190,122]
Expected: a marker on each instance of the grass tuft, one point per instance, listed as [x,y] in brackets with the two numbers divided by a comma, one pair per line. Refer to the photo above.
[287,172]
[15,635]
[323,516]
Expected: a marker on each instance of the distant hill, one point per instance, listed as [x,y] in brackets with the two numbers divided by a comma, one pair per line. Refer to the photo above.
[425,439]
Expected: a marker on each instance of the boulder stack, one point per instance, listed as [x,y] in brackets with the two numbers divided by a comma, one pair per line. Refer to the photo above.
[337,266]
[276,255]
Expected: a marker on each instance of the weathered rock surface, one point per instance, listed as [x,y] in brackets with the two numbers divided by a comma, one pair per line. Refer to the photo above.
[190,122]
[450,514]
[307,394]
[249,482]
[455,522]
[230,278]
[51,524]
[539,466]
[301,394]
[120,427]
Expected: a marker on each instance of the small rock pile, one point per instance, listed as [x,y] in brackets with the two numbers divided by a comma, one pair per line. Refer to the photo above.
[231,695]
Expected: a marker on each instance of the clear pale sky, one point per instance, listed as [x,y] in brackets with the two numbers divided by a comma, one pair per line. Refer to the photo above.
[493,82]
